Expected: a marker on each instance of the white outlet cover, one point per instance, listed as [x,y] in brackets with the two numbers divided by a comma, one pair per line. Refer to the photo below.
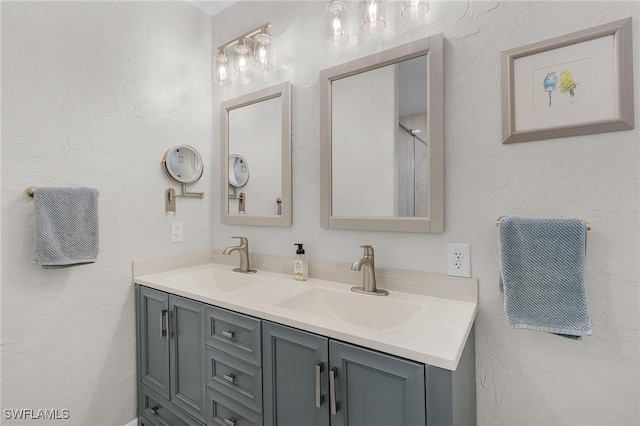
[459,260]
[177,232]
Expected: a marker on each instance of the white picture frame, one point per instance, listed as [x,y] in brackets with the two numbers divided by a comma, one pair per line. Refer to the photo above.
[576,84]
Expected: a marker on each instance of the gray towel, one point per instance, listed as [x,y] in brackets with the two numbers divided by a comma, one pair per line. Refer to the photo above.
[66,226]
[542,274]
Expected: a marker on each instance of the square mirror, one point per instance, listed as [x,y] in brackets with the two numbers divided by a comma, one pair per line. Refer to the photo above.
[256,158]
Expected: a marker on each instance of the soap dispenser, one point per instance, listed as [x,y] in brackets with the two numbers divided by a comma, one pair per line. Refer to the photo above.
[300,267]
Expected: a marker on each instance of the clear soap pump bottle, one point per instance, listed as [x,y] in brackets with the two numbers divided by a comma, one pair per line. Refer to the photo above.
[300,267]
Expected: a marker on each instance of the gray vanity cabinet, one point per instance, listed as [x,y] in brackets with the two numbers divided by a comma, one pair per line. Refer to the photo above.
[296,384]
[312,380]
[170,333]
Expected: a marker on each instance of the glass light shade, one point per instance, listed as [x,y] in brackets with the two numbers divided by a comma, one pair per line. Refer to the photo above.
[222,69]
[262,57]
[373,15]
[242,62]
[414,9]
[337,28]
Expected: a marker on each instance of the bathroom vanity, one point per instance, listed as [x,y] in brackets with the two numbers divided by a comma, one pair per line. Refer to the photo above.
[217,347]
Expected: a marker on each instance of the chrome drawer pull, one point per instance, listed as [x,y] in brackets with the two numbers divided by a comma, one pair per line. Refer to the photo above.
[333,405]
[154,409]
[319,396]
[231,378]
[231,422]
[228,334]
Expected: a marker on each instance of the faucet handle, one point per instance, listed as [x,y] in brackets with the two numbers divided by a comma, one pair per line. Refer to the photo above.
[368,250]
[243,240]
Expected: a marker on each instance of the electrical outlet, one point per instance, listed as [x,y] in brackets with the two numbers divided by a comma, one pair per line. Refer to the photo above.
[177,232]
[459,260]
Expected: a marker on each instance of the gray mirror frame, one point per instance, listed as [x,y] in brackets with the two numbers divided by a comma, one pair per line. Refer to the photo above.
[434,222]
[283,91]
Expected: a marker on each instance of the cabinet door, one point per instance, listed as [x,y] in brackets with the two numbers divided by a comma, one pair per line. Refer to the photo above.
[187,355]
[374,389]
[294,369]
[153,339]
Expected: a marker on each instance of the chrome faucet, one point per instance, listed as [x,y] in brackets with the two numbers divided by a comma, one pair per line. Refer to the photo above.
[243,251]
[367,266]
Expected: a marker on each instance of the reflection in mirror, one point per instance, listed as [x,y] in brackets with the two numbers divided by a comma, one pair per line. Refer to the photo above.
[257,131]
[238,171]
[390,143]
[382,150]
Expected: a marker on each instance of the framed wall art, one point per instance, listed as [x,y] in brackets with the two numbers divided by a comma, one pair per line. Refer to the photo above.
[576,84]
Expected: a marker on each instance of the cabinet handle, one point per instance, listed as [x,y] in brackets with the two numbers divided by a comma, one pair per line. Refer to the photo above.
[163,324]
[231,422]
[170,325]
[154,409]
[228,334]
[231,378]
[334,406]
[319,396]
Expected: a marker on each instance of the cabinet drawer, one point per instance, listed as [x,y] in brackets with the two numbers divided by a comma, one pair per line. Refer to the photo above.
[223,411]
[235,378]
[235,334]
[156,410]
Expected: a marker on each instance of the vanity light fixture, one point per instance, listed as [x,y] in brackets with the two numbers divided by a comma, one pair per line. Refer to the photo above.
[337,28]
[414,9]
[250,50]
[373,15]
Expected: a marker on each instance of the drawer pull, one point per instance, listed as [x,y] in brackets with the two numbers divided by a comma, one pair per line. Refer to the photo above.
[228,334]
[333,404]
[163,323]
[231,422]
[154,409]
[319,396]
[231,378]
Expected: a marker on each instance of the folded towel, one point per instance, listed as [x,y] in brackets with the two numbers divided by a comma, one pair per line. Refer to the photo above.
[66,226]
[542,274]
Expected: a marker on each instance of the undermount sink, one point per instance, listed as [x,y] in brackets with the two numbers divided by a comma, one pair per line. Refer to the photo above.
[215,279]
[353,308]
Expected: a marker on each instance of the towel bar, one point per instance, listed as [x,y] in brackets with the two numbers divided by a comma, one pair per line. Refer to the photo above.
[588,225]
[29,191]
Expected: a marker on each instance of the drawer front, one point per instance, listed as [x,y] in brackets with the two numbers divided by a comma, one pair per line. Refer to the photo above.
[223,411]
[156,410]
[235,334]
[235,378]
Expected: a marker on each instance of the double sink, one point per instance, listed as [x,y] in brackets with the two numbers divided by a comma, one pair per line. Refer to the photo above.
[424,328]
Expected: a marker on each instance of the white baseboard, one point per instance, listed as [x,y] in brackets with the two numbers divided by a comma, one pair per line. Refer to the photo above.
[133,422]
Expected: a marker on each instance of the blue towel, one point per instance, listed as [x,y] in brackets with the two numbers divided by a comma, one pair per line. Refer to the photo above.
[542,264]
[66,226]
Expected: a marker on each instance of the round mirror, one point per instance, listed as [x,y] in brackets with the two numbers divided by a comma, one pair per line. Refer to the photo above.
[183,164]
[238,171]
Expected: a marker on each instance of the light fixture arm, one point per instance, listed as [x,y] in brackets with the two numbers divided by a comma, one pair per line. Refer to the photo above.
[262,29]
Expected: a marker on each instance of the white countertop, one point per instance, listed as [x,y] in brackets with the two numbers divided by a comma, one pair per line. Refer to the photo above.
[424,328]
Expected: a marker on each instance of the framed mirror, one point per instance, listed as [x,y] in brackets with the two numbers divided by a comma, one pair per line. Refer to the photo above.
[256,131]
[382,150]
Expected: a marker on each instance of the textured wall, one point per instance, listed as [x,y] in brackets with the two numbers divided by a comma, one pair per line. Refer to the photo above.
[523,377]
[93,93]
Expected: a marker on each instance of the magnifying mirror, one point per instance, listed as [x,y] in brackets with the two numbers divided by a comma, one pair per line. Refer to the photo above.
[183,164]
[238,171]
